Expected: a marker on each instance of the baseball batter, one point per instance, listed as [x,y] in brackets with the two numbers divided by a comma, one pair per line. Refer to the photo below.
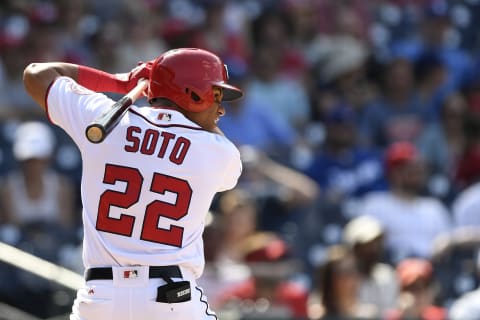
[147,188]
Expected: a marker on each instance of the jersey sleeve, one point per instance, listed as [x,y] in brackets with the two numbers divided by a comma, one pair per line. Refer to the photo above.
[232,170]
[72,107]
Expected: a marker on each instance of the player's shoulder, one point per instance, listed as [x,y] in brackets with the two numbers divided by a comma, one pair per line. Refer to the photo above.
[222,144]
[221,139]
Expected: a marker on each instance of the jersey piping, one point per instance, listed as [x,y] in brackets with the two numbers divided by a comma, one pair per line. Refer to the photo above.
[164,125]
[46,100]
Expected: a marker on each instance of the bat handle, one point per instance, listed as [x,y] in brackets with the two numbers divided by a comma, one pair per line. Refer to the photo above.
[138,90]
[98,130]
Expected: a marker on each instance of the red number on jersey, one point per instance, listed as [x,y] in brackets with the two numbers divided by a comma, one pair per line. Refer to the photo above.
[157,209]
[134,180]
[153,212]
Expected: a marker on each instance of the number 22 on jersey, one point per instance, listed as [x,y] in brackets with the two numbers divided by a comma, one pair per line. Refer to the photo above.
[153,211]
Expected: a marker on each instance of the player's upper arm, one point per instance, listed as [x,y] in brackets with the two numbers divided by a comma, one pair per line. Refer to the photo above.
[37,78]
[72,107]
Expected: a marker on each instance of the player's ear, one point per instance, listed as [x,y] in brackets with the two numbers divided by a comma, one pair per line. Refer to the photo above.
[217,94]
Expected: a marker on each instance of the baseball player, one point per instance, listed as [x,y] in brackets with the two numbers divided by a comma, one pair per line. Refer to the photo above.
[147,188]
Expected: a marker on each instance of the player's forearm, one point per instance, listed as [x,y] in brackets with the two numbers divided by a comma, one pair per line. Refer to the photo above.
[37,77]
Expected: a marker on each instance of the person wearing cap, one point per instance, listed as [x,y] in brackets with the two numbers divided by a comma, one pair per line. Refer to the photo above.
[378,284]
[271,291]
[411,220]
[35,193]
[37,215]
[417,292]
[334,294]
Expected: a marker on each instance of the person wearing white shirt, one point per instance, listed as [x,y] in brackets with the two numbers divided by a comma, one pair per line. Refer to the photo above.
[411,221]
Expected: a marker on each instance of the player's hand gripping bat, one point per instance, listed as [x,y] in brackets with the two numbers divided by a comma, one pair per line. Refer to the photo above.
[99,129]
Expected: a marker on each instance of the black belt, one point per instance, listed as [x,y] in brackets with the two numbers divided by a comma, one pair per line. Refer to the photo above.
[153,272]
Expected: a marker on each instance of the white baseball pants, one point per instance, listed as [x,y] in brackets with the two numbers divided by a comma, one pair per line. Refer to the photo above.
[134,298]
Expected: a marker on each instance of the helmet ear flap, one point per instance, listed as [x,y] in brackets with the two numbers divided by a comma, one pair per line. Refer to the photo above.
[193,95]
[197,102]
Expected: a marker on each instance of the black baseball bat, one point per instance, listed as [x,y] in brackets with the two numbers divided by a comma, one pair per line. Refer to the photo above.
[99,129]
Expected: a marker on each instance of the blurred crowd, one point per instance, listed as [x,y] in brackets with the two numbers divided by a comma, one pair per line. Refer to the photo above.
[359,134]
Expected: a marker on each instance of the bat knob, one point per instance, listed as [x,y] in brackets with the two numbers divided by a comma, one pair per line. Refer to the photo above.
[95,133]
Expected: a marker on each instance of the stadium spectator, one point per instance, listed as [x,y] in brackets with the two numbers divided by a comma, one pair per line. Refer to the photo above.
[141,42]
[271,292]
[433,36]
[397,114]
[35,193]
[430,77]
[223,32]
[411,220]
[455,252]
[468,168]
[302,57]
[37,215]
[345,171]
[267,131]
[466,207]
[378,283]
[270,89]
[335,294]
[417,292]
[442,143]
[233,220]
[342,167]
[284,195]
[466,307]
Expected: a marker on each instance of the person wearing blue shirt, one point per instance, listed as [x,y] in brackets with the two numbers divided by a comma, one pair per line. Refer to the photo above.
[246,124]
[342,167]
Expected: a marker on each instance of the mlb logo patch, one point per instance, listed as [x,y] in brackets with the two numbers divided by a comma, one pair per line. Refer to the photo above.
[130,274]
[165,116]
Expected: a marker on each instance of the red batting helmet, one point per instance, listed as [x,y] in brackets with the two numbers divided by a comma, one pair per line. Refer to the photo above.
[186,77]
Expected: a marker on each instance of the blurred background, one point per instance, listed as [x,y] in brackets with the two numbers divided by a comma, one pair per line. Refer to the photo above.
[360,140]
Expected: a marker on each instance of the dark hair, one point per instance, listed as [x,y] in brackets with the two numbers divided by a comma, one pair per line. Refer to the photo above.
[425,64]
[163,102]
[266,17]
[471,127]
[339,258]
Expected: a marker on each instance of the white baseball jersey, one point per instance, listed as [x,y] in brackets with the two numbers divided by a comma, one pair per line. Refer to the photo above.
[147,188]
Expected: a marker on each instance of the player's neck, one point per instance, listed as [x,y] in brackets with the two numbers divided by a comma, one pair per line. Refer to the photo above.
[164,104]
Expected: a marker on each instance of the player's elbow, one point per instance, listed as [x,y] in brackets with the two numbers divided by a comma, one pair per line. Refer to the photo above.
[30,70]
[36,82]
[31,75]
